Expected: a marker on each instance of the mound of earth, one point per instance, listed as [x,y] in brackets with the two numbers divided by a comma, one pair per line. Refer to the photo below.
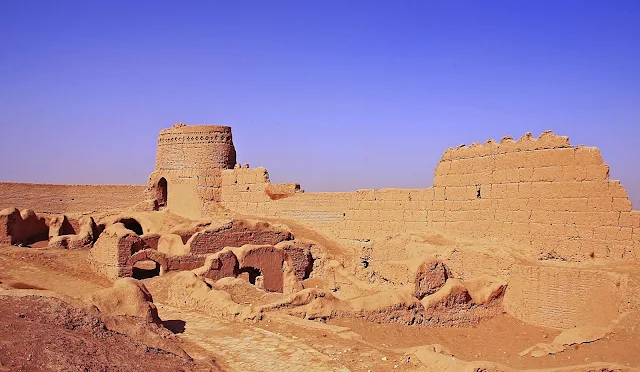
[127,297]
[47,334]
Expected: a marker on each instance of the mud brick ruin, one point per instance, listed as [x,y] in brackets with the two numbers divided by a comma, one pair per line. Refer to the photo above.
[538,220]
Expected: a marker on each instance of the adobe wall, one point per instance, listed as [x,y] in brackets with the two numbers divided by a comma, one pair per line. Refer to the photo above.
[540,194]
[190,158]
[542,199]
[60,199]
[543,193]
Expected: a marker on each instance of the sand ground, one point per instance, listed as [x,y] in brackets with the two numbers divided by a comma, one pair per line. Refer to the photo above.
[280,342]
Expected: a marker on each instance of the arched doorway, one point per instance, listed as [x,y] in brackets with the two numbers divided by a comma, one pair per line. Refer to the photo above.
[145,269]
[132,224]
[147,263]
[252,275]
[161,192]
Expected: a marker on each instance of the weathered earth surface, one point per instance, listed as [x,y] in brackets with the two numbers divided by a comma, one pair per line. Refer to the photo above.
[47,334]
[50,329]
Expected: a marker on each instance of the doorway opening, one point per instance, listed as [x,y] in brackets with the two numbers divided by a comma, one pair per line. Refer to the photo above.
[145,269]
[250,274]
[132,224]
[161,192]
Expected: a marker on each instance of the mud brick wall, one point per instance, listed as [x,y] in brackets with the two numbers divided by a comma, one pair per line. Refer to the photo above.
[59,199]
[234,235]
[563,297]
[111,252]
[542,195]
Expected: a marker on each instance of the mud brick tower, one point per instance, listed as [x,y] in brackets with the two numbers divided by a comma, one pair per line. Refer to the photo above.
[189,160]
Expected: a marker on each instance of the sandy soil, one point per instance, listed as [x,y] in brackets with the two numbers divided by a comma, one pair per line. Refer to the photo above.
[38,333]
[361,347]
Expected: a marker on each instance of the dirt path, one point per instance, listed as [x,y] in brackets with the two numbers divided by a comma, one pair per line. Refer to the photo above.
[241,347]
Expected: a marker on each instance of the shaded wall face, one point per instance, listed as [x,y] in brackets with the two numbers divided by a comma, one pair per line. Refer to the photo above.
[266,261]
[562,297]
[162,192]
[22,228]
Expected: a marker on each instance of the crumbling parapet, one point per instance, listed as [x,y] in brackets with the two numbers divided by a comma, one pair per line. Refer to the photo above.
[542,194]
[252,185]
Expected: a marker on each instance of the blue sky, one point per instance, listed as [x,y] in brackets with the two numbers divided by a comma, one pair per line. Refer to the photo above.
[334,95]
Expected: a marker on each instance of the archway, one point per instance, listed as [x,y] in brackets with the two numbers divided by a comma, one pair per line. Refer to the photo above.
[147,263]
[145,269]
[161,192]
[250,274]
[132,224]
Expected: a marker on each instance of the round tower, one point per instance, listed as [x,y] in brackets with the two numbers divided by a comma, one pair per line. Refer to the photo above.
[189,161]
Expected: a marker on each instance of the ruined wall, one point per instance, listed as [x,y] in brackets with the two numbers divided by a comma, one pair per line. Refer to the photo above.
[538,192]
[541,194]
[235,234]
[190,158]
[22,227]
[542,199]
[60,199]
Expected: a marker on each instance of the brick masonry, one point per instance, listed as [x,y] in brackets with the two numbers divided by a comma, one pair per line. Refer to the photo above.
[542,193]
[190,159]
[542,197]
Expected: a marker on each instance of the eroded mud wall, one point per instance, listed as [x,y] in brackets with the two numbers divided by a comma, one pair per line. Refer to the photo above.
[542,194]
[542,199]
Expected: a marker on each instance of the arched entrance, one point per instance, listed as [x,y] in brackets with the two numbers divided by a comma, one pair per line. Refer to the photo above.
[132,224]
[147,263]
[252,275]
[145,269]
[161,192]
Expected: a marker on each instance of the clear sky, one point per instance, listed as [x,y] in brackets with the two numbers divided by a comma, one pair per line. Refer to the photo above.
[334,95]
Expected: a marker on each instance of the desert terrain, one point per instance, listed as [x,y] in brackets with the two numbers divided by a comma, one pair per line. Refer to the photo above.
[522,256]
